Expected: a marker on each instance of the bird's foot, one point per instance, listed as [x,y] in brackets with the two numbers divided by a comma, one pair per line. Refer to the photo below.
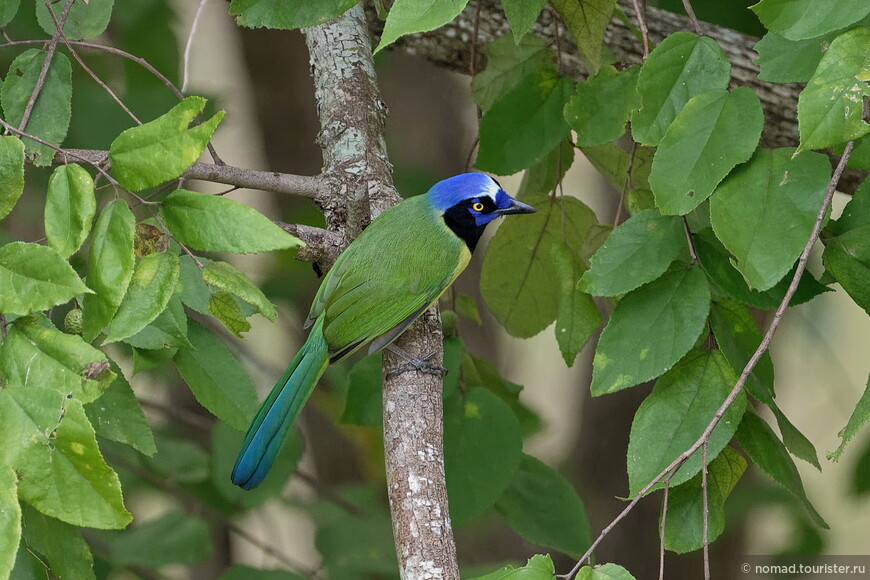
[415,364]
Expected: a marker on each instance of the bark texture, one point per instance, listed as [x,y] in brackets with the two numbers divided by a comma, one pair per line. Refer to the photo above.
[359,187]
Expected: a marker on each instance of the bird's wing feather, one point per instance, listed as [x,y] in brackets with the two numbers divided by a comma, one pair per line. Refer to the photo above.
[397,267]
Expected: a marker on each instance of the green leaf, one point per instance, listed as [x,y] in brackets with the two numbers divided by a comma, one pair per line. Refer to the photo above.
[223,306]
[716,262]
[600,107]
[173,538]
[538,567]
[226,277]
[212,223]
[578,316]
[650,330]
[684,529]
[11,173]
[507,65]
[61,545]
[682,66]
[70,206]
[857,420]
[110,266]
[860,158]
[225,444]
[10,520]
[362,404]
[466,306]
[586,21]
[356,544]
[180,460]
[542,507]
[85,19]
[847,258]
[37,354]
[525,125]
[714,132]
[518,269]
[544,176]
[638,251]
[764,211]
[676,413]
[161,150]
[830,108]
[152,285]
[478,372]
[738,337]
[521,15]
[604,572]
[861,475]
[167,331]
[624,170]
[239,572]
[482,450]
[194,291]
[34,278]
[281,15]
[117,416]
[49,119]
[802,19]
[410,16]
[51,444]
[847,247]
[216,378]
[789,61]
[8,10]
[767,452]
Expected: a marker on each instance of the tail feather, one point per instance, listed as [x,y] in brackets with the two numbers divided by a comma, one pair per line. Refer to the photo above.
[279,411]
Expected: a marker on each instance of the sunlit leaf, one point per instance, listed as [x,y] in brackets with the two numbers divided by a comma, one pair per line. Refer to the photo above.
[34,278]
[70,206]
[150,154]
[217,224]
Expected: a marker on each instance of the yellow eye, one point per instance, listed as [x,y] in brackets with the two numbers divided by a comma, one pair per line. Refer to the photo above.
[477,206]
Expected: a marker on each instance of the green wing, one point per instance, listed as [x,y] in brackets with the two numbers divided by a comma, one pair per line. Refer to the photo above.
[387,277]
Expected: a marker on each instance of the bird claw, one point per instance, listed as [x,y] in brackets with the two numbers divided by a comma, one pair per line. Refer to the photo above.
[416,364]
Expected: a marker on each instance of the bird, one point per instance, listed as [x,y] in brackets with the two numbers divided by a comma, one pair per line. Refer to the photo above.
[386,278]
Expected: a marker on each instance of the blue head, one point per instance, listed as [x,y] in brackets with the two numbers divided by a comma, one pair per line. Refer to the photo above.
[469,201]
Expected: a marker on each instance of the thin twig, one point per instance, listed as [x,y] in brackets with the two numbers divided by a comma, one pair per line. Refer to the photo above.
[187,47]
[690,12]
[689,240]
[88,70]
[750,365]
[626,184]
[705,499]
[64,153]
[662,526]
[46,64]
[641,23]
[285,183]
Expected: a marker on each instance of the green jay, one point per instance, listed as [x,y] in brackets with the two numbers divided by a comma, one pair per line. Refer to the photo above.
[386,278]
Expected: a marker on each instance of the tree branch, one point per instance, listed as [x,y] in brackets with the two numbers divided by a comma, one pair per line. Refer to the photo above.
[360,187]
[288,184]
[450,47]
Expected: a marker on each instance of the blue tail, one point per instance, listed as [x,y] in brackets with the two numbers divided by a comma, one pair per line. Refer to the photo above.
[279,411]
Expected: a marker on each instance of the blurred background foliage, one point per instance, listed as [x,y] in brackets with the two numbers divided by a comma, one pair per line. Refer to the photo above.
[333,512]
